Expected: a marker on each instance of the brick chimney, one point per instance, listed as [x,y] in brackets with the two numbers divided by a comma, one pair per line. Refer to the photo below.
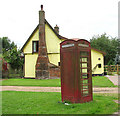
[42,69]
[56,28]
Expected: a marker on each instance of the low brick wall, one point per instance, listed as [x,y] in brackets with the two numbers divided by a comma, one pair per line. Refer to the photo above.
[54,72]
[5,74]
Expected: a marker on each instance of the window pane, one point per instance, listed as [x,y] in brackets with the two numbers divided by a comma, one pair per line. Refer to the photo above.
[34,47]
[84,76]
[85,87]
[84,70]
[85,93]
[84,65]
[84,53]
[85,82]
[84,59]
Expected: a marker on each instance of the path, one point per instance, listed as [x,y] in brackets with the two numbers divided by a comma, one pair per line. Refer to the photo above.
[114,79]
[55,89]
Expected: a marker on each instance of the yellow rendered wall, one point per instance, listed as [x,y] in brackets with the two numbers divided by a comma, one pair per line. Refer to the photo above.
[54,58]
[30,59]
[53,45]
[28,46]
[52,41]
[30,62]
[94,59]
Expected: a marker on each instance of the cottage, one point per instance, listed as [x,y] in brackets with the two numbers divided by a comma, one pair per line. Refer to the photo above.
[42,52]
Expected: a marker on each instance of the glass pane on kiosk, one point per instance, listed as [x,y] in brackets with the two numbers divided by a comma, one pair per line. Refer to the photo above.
[83,53]
[84,76]
[84,60]
[85,87]
[85,91]
[84,70]
[84,65]
[85,81]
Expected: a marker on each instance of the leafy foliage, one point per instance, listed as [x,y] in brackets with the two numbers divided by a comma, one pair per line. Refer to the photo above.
[13,58]
[106,44]
[0,47]
[11,54]
[117,58]
[7,44]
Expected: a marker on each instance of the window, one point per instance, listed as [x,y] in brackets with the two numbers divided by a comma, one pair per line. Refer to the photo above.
[99,59]
[99,65]
[35,46]
[58,63]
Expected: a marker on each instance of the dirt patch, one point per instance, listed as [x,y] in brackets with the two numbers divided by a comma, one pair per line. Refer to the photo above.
[54,89]
[33,89]
[117,101]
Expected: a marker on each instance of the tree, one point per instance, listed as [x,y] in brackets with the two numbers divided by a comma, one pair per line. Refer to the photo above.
[11,54]
[13,58]
[0,47]
[117,59]
[7,44]
[106,44]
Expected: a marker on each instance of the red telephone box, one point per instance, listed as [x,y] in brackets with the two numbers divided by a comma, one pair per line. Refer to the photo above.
[76,76]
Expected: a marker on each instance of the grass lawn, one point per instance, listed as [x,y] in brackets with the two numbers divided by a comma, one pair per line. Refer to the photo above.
[98,81]
[15,102]
[101,81]
[32,82]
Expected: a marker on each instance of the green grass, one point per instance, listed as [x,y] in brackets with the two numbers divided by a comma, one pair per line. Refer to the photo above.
[32,82]
[15,102]
[99,81]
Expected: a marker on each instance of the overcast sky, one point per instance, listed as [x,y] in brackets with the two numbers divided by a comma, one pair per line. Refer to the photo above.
[75,18]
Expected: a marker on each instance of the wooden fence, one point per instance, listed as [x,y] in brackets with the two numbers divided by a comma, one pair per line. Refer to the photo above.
[112,69]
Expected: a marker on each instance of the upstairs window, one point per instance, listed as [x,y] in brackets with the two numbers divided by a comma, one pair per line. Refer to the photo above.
[35,46]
